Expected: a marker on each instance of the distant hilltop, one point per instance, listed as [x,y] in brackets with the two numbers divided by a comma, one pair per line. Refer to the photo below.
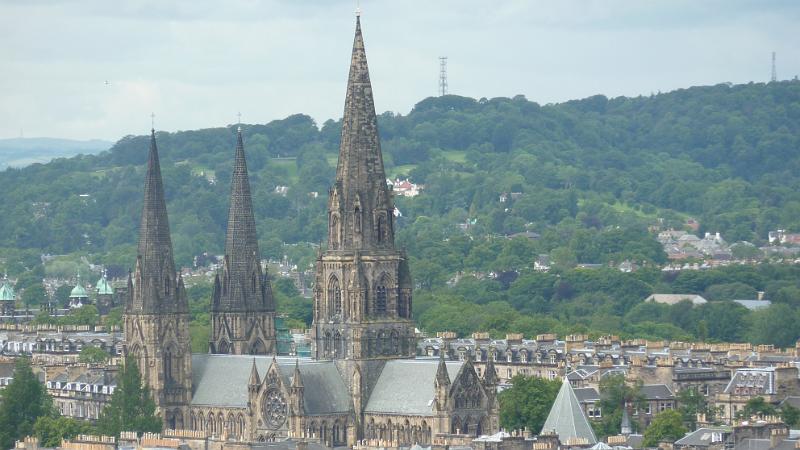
[21,152]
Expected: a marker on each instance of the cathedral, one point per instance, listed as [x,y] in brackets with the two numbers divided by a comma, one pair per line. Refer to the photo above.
[363,383]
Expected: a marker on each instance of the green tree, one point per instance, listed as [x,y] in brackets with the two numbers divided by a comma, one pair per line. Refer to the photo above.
[527,402]
[23,401]
[34,295]
[778,325]
[61,296]
[691,404]
[666,426]
[93,355]
[790,415]
[131,407]
[757,406]
[616,394]
[52,430]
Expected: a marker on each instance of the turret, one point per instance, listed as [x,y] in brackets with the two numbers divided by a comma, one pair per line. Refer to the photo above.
[255,381]
[442,383]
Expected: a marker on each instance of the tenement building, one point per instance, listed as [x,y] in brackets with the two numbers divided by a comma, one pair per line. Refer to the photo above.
[363,382]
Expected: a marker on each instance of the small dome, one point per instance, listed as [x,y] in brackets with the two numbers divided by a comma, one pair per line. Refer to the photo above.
[7,292]
[104,287]
[78,291]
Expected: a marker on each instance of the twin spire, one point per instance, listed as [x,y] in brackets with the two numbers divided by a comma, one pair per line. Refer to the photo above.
[157,288]
[243,285]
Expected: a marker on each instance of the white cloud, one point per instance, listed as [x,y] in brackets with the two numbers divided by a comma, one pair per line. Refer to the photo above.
[196,63]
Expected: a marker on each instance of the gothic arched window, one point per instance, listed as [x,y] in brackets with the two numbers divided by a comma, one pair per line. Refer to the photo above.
[258,347]
[380,299]
[401,305]
[395,342]
[168,366]
[357,220]
[327,344]
[335,296]
[338,348]
[334,232]
[381,227]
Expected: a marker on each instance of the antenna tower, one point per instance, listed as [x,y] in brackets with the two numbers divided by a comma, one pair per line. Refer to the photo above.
[442,75]
[774,72]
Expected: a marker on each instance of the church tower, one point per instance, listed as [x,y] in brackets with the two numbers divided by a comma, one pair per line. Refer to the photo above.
[156,318]
[242,306]
[362,291]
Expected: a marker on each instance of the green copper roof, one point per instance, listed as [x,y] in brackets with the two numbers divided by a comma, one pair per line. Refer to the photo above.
[78,292]
[104,287]
[7,292]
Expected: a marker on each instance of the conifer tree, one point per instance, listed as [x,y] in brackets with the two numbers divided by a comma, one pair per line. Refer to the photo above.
[131,407]
[23,402]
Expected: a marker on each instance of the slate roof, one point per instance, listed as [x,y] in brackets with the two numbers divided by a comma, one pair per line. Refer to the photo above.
[753,381]
[791,401]
[753,305]
[406,387]
[566,417]
[702,436]
[222,380]
[753,444]
[657,392]
[587,394]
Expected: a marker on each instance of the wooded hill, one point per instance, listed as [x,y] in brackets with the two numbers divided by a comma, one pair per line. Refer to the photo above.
[593,175]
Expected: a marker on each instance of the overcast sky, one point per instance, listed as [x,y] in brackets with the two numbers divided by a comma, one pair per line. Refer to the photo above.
[196,63]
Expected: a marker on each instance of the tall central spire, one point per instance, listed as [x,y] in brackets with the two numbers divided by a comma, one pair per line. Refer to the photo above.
[360,203]
[362,293]
[156,287]
[360,151]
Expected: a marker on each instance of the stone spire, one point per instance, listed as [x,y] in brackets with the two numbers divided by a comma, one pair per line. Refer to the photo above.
[490,375]
[255,380]
[297,378]
[156,319]
[360,198]
[442,378]
[244,286]
[155,283]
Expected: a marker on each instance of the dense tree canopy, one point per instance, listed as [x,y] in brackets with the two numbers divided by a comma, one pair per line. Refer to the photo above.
[587,177]
[527,403]
[131,407]
[23,401]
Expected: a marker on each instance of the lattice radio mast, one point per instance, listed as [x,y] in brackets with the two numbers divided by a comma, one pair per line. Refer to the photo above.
[774,71]
[442,75]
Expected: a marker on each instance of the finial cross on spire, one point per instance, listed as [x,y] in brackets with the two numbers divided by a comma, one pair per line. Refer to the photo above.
[153,120]
[239,120]
[358,8]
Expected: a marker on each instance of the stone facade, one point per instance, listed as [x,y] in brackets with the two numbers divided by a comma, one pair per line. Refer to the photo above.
[156,317]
